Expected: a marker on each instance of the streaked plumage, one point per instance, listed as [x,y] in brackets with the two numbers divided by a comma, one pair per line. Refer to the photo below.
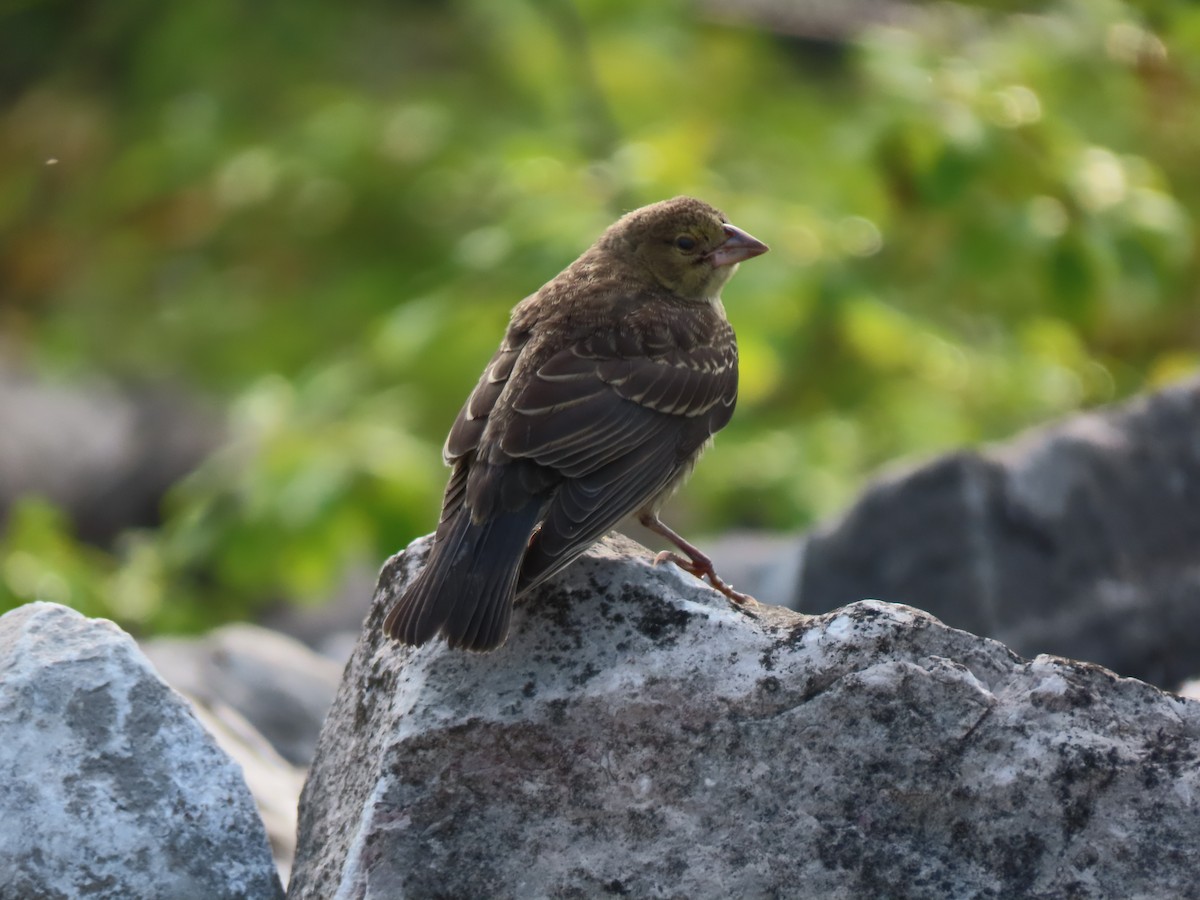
[608,385]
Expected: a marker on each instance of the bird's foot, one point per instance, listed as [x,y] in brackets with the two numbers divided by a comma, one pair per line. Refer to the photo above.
[694,561]
[702,568]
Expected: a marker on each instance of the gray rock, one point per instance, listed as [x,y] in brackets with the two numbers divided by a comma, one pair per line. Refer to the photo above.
[277,684]
[109,787]
[274,783]
[1079,539]
[263,696]
[638,737]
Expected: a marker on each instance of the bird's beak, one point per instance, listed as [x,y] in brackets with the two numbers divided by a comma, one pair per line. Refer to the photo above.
[738,246]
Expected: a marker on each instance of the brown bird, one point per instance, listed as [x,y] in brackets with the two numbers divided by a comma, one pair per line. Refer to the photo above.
[610,382]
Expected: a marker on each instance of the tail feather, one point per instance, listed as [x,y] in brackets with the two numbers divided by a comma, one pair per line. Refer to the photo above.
[466,589]
[412,619]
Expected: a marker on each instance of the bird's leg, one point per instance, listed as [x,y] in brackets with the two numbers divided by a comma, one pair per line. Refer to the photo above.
[695,562]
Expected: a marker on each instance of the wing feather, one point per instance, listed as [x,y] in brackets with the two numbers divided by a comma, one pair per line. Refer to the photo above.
[611,406]
[596,430]
[584,509]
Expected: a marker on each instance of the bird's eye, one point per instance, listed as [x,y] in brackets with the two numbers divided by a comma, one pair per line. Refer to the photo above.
[685,243]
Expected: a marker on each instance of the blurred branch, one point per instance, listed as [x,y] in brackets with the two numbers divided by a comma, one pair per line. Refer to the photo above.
[814,20]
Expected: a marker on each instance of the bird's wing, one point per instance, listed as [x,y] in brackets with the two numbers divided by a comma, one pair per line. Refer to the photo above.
[467,430]
[619,431]
[466,435]
[588,405]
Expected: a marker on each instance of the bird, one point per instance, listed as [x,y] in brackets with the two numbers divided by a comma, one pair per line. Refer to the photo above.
[610,382]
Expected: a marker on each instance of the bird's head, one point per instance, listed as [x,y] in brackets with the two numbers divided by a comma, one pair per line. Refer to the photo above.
[683,244]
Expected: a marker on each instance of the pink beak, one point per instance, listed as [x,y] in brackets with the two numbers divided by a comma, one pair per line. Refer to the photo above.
[738,246]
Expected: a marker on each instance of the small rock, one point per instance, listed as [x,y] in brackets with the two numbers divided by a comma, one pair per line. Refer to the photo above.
[263,696]
[274,783]
[276,683]
[109,787]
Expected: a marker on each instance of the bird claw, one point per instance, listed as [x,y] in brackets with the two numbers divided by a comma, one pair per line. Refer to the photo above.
[703,569]
[667,556]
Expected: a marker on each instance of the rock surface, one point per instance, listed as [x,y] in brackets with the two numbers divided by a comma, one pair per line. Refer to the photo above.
[276,683]
[274,783]
[263,696]
[1079,539]
[638,737]
[109,787]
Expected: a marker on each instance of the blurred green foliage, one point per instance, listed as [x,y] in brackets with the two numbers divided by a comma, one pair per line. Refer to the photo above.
[320,216]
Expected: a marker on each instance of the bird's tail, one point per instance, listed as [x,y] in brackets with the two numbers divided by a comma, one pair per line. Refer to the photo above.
[466,589]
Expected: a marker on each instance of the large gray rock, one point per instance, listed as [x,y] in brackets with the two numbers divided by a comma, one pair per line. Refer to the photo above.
[638,737]
[109,787]
[1081,539]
